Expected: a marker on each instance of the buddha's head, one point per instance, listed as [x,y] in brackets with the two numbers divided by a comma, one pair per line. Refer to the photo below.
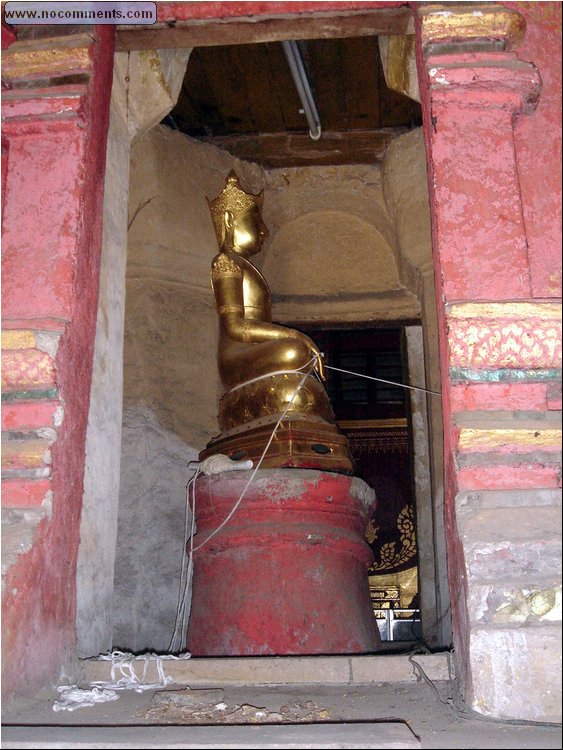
[237,218]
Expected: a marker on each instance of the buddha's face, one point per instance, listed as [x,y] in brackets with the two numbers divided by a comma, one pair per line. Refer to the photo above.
[249,232]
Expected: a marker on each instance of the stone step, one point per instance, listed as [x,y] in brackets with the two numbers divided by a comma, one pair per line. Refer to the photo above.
[521,457]
[491,561]
[342,735]
[512,664]
[505,543]
[531,499]
[280,670]
[508,420]
[490,525]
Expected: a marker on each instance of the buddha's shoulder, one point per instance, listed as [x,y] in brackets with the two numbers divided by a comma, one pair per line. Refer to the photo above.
[224,265]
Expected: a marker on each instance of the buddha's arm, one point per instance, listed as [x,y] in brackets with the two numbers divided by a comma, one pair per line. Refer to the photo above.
[227,282]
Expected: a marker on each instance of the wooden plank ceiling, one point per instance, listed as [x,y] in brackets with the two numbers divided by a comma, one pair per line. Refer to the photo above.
[242,98]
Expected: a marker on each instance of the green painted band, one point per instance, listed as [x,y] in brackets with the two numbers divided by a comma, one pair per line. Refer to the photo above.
[31,395]
[504,376]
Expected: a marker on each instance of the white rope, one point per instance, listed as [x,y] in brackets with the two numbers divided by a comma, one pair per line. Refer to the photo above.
[272,374]
[219,462]
[380,380]
[73,697]
[184,599]
[184,594]
[251,478]
[123,677]
[337,369]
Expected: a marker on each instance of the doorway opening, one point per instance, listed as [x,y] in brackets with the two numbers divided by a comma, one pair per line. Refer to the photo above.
[375,416]
[342,251]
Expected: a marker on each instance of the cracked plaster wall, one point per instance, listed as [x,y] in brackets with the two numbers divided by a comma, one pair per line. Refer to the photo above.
[331,254]
[145,87]
[171,384]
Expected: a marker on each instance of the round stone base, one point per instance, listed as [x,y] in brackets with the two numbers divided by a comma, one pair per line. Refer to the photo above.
[288,573]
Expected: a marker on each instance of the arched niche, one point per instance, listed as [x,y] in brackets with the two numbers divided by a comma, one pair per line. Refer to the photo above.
[330,265]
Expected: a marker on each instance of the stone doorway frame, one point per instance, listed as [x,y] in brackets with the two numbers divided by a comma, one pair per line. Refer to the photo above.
[155,78]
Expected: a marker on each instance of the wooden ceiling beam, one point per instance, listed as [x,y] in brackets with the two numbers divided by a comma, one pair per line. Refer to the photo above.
[250,30]
[278,150]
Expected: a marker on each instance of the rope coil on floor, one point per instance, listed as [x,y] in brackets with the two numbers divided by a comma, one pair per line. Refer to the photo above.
[123,677]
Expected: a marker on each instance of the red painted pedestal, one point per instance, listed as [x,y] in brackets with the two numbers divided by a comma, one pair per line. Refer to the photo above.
[287,573]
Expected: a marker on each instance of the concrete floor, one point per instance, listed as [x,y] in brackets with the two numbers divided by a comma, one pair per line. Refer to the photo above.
[410,709]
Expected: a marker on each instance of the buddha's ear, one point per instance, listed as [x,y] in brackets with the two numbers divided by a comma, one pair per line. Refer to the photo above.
[229,222]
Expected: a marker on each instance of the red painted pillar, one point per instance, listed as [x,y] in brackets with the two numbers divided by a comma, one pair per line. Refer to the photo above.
[55,138]
[480,231]
[287,574]
[500,347]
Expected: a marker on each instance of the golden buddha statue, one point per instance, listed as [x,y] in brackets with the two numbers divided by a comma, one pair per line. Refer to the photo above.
[265,368]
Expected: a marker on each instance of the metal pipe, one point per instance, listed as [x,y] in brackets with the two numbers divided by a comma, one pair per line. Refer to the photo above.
[295,62]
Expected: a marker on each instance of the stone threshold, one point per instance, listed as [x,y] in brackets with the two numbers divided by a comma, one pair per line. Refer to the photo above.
[342,735]
[281,670]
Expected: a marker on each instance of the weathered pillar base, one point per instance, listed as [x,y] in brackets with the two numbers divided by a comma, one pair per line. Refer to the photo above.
[287,574]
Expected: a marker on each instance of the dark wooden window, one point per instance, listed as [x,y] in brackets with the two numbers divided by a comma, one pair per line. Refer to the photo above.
[376,353]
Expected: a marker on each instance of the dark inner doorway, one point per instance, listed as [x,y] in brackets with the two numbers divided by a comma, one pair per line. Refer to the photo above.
[375,417]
